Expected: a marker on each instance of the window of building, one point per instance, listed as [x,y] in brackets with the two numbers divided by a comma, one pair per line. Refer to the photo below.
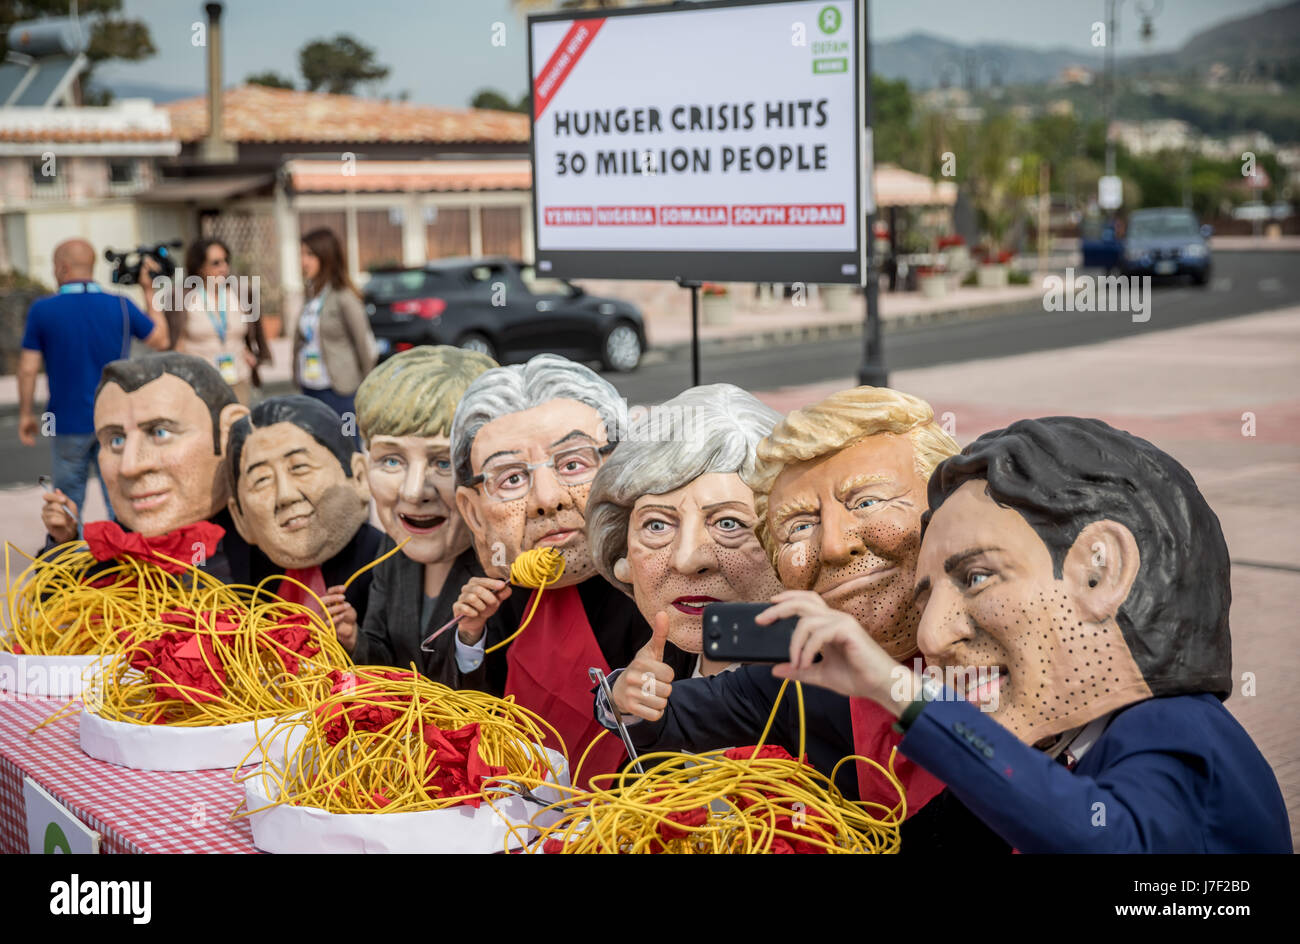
[503,232]
[121,173]
[446,232]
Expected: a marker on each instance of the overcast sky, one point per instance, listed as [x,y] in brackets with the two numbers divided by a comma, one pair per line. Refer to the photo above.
[441,50]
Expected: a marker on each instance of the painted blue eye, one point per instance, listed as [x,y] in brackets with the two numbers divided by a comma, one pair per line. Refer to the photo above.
[161,434]
[729,524]
[390,462]
[442,465]
[866,503]
[117,442]
[795,529]
[656,527]
[975,579]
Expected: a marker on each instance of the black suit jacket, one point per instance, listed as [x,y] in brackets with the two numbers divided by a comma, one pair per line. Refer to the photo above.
[392,631]
[248,564]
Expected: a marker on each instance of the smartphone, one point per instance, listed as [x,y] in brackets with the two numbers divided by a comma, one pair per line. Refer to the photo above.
[730,634]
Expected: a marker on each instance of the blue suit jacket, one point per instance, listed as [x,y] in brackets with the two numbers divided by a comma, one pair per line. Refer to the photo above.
[1172,774]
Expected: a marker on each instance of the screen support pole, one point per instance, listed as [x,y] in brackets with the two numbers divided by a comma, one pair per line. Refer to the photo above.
[695,327]
[873,371]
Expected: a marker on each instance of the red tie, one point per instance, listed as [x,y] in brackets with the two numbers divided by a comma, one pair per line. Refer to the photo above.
[312,578]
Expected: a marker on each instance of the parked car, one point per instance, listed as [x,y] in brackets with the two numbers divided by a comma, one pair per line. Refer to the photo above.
[1100,245]
[1166,241]
[502,308]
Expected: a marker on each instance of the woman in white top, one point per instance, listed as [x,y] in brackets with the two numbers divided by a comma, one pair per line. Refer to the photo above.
[214,325]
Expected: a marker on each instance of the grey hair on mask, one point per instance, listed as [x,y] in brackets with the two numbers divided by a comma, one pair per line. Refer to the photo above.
[725,424]
[504,390]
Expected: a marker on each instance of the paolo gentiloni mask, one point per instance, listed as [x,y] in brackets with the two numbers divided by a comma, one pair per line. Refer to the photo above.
[527,441]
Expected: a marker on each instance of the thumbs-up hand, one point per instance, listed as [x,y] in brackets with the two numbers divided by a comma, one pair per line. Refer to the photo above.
[642,689]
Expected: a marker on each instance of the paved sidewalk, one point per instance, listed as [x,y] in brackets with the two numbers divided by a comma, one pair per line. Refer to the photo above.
[667,312]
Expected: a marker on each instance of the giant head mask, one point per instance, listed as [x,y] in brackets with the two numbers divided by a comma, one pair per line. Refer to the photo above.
[298,485]
[162,423]
[1080,561]
[526,443]
[840,488]
[404,410]
[671,521]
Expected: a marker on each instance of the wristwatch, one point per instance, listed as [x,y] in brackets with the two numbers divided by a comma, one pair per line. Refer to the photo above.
[931,690]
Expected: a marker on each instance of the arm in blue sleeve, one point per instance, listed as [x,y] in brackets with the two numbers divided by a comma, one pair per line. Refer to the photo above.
[1145,800]
[141,324]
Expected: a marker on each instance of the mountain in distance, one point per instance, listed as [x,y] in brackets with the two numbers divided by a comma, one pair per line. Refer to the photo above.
[925,61]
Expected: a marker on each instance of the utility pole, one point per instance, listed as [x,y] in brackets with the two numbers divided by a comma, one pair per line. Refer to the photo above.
[873,372]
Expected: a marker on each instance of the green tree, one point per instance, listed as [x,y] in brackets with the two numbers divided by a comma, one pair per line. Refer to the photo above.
[894,134]
[493,100]
[339,65]
[270,78]
[111,36]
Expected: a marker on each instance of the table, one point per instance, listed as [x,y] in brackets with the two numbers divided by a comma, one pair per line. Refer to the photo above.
[133,810]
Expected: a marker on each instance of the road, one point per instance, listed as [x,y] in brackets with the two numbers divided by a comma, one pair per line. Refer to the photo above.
[1243,283]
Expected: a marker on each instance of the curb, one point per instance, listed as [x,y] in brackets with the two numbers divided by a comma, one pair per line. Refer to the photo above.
[768,337]
[832,331]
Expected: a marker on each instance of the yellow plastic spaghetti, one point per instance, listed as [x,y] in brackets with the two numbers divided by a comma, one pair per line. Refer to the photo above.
[362,747]
[235,638]
[537,569]
[748,802]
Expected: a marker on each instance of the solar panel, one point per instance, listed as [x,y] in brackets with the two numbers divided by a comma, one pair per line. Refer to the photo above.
[45,84]
[44,57]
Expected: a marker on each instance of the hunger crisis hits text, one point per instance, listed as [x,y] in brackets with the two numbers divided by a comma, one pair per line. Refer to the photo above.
[737,116]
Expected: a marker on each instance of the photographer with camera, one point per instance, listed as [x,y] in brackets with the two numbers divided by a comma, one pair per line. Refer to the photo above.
[75,334]
[213,325]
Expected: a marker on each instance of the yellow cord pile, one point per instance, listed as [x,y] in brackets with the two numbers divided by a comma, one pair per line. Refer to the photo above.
[745,800]
[536,569]
[216,656]
[53,609]
[389,741]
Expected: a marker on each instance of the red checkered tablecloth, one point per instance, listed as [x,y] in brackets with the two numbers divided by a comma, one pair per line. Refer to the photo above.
[133,810]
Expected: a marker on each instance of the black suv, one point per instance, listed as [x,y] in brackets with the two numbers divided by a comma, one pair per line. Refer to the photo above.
[500,307]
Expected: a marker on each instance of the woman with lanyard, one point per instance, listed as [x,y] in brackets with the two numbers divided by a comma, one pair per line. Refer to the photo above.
[213,325]
[333,347]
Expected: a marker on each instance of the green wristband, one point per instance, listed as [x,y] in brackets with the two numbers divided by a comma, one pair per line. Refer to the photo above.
[909,715]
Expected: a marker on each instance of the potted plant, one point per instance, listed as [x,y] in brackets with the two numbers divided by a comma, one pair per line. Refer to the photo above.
[715,303]
[836,297]
[992,272]
[932,281]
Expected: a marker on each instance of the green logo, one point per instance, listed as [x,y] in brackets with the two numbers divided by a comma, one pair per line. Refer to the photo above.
[829,20]
[55,840]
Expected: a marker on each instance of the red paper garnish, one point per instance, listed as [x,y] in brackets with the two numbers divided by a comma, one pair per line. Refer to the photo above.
[106,539]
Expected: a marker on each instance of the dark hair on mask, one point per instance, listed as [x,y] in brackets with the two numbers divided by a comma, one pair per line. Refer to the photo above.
[320,421]
[202,377]
[1062,473]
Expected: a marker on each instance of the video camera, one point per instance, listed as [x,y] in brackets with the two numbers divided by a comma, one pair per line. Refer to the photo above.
[127,272]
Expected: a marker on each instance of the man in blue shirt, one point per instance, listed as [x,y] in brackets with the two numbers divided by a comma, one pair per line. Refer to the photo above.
[75,333]
[1075,592]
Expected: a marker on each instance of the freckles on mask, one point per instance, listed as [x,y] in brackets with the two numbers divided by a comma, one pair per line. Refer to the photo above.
[885,608]
[747,571]
[1063,671]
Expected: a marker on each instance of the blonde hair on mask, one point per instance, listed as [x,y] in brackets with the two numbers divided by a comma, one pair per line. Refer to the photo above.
[842,420]
[415,393]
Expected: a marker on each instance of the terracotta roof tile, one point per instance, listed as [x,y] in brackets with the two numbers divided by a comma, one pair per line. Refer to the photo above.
[81,135]
[307,177]
[255,113]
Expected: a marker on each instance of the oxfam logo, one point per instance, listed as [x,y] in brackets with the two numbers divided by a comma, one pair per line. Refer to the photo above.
[829,20]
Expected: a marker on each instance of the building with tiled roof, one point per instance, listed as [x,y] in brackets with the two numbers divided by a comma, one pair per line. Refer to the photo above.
[255,114]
